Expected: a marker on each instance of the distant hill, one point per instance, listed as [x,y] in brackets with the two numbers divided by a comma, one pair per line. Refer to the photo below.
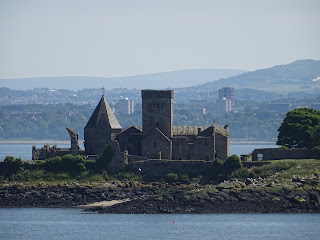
[174,79]
[297,76]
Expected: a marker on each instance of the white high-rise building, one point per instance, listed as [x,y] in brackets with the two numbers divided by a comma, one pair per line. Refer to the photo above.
[125,106]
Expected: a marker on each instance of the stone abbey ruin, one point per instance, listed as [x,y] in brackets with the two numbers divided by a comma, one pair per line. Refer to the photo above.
[156,140]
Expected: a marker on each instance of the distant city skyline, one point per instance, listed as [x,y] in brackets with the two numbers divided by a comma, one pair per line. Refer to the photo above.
[111,38]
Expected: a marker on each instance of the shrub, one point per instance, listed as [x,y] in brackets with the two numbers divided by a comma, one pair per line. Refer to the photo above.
[67,163]
[196,179]
[232,163]
[283,147]
[184,178]
[104,159]
[53,164]
[216,171]
[90,164]
[11,166]
[317,151]
[128,176]
[241,173]
[172,177]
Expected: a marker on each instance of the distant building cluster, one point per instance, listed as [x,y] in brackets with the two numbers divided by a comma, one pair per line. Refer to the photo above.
[224,104]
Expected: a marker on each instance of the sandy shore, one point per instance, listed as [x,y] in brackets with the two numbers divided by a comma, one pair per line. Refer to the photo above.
[104,203]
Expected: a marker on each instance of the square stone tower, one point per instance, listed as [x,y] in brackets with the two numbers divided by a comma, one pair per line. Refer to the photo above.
[157,123]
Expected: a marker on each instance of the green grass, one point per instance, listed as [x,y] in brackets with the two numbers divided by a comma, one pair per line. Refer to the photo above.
[277,169]
[281,169]
[33,177]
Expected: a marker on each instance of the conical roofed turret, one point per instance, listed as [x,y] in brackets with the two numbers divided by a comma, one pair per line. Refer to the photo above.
[103,113]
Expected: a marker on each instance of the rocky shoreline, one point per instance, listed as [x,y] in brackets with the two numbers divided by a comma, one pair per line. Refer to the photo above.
[250,196]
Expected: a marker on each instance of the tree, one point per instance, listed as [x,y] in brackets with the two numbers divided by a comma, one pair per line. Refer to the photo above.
[298,128]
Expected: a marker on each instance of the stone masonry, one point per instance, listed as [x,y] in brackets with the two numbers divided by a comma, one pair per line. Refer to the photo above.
[157,138]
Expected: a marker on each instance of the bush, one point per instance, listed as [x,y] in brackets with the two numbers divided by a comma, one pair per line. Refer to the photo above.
[67,163]
[184,178]
[283,147]
[241,173]
[317,151]
[172,177]
[104,159]
[53,164]
[196,179]
[232,163]
[217,166]
[90,164]
[11,166]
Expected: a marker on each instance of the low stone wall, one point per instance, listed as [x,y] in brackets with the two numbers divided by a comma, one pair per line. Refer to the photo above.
[277,153]
[160,168]
[49,152]
[133,158]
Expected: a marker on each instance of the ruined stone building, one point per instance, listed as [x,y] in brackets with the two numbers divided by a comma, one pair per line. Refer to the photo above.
[157,138]
[49,152]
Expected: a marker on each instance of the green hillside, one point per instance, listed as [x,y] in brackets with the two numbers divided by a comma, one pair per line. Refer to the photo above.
[296,76]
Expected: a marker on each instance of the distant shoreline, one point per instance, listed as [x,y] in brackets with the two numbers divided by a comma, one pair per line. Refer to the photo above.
[38,142]
[59,142]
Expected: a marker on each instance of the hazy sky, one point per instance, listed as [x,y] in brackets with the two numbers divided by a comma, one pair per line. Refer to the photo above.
[118,38]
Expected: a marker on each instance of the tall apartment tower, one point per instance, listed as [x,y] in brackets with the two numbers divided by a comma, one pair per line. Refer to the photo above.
[126,106]
[228,93]
[157,123]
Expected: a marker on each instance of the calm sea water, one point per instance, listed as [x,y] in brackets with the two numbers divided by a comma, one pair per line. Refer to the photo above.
[19,223]
[25,150]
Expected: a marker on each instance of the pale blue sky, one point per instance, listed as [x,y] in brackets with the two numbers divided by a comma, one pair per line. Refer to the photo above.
[130,37]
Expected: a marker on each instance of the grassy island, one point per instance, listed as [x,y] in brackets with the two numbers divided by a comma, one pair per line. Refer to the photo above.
[271,186]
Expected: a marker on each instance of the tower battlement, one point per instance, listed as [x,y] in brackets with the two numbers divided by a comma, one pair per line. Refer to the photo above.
[149,94]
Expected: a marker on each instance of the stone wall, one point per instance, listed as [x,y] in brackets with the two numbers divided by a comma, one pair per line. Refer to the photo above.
[130,140]
[155,143]
[277,153]
[222,146]
[96,139]
[180,148]
[203,148]
[48,152]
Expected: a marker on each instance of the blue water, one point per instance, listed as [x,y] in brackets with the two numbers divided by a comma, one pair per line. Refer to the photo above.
[25,150]
[20,223]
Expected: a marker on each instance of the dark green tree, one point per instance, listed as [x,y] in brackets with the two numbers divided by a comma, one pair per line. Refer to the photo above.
[298,128]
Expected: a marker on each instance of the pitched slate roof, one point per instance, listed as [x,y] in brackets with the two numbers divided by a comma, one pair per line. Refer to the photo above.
[103,112]
[138,128]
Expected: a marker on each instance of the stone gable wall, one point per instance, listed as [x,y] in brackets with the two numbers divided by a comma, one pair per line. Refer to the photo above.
[277,153]
[222,146]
